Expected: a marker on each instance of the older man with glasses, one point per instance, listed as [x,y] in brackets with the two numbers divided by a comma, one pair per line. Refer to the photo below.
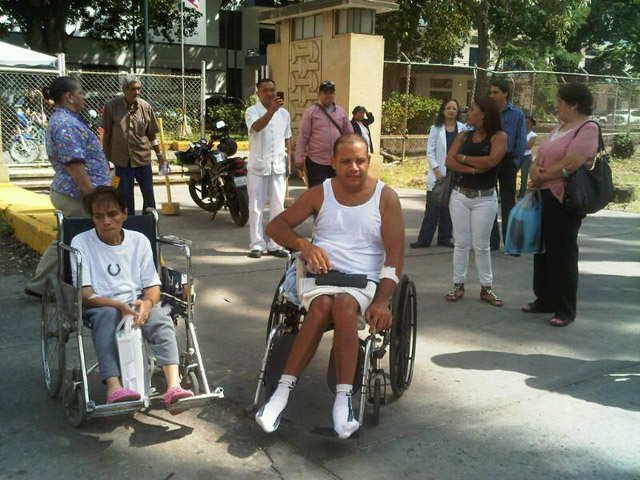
[130,129]
[321,125]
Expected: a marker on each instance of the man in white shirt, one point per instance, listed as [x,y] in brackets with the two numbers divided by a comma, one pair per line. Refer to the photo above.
[269,162]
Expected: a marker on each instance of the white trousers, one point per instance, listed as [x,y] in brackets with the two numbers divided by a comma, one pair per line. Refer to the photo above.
[472,220]
[258,187]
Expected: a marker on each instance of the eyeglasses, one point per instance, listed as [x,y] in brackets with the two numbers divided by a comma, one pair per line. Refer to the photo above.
[327,84]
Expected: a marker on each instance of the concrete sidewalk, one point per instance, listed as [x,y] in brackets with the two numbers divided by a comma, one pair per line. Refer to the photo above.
[496,393]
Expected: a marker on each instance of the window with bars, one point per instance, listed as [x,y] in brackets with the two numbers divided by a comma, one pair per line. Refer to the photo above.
[307,27]
[355,20]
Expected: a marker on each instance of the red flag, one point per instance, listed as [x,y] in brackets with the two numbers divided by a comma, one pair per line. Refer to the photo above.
[195,3]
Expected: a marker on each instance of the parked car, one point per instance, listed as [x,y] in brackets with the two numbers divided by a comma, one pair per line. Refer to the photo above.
[621,117]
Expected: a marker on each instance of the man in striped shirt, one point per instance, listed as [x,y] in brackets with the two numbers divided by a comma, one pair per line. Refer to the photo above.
[514,125]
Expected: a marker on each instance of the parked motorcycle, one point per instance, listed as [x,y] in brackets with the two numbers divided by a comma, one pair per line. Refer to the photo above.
[25,144]
[222,179]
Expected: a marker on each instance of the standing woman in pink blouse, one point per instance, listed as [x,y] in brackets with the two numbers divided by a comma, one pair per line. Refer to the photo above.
[572,144]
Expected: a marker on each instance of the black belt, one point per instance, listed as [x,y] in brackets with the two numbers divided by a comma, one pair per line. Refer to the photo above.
[475,193]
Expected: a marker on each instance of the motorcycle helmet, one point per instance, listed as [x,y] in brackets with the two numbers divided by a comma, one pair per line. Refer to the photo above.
[228,146]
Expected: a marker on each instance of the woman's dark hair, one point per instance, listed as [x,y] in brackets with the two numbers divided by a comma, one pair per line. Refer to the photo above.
[59,87]
[492,122]
[532,120]
[440,117]
[577,95]
[103,194]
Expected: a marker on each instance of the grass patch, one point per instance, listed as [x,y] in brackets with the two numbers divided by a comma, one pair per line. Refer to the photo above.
[409,174]
[627,172]
[6,230]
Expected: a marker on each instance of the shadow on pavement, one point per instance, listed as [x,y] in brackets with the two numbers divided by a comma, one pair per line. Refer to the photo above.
[550,372]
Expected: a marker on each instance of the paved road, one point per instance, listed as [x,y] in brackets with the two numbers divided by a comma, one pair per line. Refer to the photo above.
[496,393]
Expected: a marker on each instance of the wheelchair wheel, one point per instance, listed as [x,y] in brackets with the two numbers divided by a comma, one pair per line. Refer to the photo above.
[403,337]
[191,382]
[276,314]
[53,337]
[73,400]
[377,400]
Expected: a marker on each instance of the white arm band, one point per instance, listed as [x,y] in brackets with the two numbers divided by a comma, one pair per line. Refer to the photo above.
[155,142]
[390,273]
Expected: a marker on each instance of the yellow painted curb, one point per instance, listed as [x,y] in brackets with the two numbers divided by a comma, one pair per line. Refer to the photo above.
[31,215]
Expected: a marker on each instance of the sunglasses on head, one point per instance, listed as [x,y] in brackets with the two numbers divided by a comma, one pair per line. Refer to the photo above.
[328,84]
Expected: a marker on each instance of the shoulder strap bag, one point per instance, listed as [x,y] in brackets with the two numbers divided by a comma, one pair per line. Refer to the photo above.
[324,110]
[590,190]
[441,191]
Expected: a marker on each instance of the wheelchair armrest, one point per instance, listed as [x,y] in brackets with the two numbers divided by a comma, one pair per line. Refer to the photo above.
[174,241]
[77,257]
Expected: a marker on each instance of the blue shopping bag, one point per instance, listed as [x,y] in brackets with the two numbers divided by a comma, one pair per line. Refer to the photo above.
[524,233]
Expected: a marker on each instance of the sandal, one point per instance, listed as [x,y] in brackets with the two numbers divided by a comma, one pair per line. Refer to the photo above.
[560,322]
[173,395]
[456,294]
[487,295]
[534,307]
[123,395]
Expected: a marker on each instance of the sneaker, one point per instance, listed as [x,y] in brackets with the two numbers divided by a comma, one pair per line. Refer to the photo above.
[31,295]
[419,245]
[255,254]
[280,253]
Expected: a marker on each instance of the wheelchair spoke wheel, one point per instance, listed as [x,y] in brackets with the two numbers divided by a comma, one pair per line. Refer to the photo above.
[191,382]
[53,337]
[403,339]
[276,314]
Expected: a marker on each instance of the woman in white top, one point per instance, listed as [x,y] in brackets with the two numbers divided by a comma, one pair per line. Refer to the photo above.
[525,165]
[441,136]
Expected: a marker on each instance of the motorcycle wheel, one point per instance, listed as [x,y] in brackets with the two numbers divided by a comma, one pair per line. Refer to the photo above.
[239,207]
[202,199]
[29,153]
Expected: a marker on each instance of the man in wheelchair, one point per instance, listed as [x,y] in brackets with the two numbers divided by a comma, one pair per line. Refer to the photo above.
[353,266]
[119,278]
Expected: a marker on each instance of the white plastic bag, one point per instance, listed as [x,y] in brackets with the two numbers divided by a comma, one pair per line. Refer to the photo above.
[132,354]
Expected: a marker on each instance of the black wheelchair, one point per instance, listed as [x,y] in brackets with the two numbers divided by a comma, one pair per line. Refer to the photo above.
[371,381]
[62,320]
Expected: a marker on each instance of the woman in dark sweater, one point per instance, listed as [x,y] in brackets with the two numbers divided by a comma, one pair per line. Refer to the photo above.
[475,156]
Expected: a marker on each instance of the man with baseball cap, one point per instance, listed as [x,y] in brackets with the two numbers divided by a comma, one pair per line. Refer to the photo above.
[321,125]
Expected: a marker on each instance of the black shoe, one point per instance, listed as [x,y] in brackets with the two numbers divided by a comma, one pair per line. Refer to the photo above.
[419,245]
[280,253]
[494,248]
[448,244]
[255,254]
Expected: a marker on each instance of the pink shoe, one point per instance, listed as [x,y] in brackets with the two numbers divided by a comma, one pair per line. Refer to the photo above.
[173,395]
[123,395]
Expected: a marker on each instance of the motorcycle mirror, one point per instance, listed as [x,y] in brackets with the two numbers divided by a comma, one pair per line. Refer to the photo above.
[220,124]
[93,113]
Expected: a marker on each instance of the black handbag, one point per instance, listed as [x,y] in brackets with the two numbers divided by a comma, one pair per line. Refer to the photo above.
[441,191]
[589,190]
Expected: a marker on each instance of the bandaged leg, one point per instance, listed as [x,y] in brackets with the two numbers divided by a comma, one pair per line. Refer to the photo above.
[343,422]
[268,417]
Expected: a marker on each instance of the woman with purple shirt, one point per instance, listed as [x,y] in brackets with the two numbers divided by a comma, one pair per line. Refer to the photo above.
[76,156]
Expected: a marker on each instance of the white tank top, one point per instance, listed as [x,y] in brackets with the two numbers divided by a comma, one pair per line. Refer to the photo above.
[351,236]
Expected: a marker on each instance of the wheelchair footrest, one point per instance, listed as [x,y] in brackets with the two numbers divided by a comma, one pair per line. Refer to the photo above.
[120,408]
[199,401]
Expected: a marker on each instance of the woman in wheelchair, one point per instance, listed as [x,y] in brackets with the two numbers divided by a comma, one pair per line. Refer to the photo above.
[359,231]
[115,262]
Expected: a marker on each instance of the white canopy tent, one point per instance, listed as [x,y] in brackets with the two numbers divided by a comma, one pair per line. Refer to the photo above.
[12,56]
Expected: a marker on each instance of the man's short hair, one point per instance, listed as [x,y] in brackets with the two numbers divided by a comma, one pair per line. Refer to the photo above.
[503,85]
[128,80]
[264,80]
[352,138]
[103,194]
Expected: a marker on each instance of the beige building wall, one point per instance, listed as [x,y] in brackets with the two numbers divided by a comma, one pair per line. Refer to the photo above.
[353,61]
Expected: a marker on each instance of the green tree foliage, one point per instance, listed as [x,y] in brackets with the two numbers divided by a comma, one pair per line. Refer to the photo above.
[232,115]
[421,114]
[426,29]
[612,32]
[44,22]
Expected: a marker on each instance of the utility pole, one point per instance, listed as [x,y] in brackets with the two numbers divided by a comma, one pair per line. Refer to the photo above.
[147,64]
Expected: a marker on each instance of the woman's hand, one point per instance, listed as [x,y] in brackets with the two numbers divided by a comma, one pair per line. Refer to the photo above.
[536,177]
[317,259]
[437,173]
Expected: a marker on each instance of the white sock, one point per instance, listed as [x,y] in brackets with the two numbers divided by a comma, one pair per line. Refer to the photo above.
[343,422]
[268,417]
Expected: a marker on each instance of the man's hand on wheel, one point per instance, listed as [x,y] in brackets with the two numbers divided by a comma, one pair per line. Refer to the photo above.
[378,316]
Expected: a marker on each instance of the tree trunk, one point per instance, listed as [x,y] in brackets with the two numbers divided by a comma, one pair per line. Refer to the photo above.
[45,27]
[481,10]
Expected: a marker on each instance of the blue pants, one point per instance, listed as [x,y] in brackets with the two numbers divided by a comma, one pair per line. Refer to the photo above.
[435,217]
[158,330]
[144,177]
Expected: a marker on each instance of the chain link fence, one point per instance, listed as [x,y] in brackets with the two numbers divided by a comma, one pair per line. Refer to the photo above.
[179,100]
[413,92]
